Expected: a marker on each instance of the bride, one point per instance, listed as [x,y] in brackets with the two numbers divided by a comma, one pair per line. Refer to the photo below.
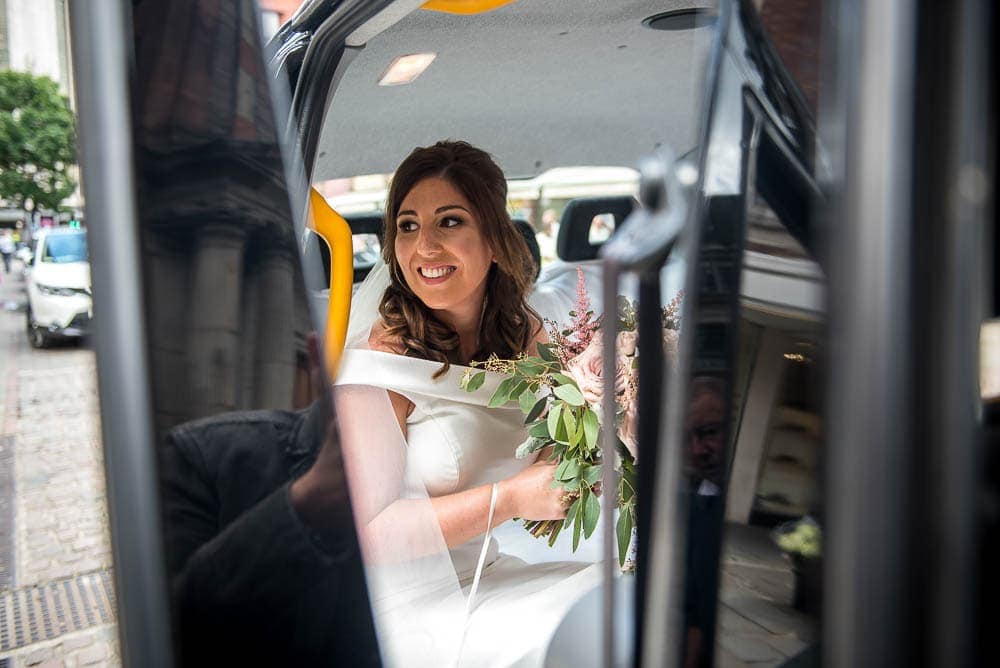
[431,468]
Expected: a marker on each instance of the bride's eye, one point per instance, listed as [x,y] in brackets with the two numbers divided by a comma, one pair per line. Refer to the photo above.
[406,225]
[451,221]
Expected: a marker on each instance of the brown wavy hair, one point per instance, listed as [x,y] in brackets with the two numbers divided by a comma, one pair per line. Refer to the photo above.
[508,324]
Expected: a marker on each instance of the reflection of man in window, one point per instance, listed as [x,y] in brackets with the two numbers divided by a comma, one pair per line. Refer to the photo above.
[705,433]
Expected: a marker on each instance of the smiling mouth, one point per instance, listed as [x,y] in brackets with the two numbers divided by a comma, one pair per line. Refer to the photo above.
[435,272]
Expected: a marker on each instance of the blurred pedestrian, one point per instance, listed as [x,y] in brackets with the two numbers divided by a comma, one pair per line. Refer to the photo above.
[547,236]
[7,249]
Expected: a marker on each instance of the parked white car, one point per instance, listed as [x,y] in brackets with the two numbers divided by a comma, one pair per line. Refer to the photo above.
[59,297]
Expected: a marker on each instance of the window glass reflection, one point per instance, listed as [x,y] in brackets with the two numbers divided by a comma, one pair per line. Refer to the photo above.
[768,445]
[258,537]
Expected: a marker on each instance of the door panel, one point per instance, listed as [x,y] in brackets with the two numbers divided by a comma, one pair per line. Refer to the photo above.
[260,569]
[752,421]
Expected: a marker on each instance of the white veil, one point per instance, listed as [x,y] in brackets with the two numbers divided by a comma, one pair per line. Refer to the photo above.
[364,305]
[417,600]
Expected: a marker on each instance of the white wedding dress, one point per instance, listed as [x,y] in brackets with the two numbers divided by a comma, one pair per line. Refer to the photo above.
[454,442]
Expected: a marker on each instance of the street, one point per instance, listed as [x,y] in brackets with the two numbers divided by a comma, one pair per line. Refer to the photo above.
[57,604]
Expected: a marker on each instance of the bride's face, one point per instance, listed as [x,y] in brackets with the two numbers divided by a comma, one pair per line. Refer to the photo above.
[441,249]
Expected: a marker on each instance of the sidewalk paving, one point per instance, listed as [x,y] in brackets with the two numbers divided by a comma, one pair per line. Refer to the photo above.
[56,594]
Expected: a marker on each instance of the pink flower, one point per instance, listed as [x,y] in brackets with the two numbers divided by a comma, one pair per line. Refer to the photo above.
[587,369]
[627,342]
[573,338]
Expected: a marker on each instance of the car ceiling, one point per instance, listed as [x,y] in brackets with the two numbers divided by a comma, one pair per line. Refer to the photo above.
[538,83]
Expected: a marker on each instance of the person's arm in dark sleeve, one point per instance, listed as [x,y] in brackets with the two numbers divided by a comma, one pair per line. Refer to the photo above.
[261,584]
[267,552]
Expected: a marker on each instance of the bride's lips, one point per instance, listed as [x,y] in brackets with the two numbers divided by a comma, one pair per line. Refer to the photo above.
[434,274]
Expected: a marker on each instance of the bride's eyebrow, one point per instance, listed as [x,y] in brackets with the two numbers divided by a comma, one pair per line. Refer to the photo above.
[446,207]
[452,206]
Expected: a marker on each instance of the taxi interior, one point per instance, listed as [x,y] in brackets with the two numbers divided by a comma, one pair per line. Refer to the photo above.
[690,100]
[545,87]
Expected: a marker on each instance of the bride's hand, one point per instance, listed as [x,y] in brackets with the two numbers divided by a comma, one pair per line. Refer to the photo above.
[531,496]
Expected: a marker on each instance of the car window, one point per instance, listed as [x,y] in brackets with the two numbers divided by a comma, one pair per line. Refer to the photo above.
[540,202]
[753,434]
[238,399]
[62,248]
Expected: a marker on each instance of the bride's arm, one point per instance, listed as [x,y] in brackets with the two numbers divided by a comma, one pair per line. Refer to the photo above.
[463,515]
[385,520]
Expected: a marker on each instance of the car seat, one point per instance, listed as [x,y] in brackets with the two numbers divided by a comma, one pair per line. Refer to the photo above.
[573,243]
[555,290]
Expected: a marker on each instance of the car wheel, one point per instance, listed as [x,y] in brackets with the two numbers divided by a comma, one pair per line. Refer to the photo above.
[36,335]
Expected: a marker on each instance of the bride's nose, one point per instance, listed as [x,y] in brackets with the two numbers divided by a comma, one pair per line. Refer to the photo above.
[428,242]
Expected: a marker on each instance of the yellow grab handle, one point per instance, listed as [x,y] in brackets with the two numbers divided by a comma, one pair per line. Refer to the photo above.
[336,232]
[464,6]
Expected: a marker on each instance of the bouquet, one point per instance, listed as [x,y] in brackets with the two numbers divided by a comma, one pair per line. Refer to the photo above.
[560,392]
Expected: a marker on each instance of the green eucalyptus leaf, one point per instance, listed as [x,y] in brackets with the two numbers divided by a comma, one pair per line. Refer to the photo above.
[530,366]
[629,483]
[476,381]
[569,421]
[530,446]
[562,436]
[539,430]
[625,493]
[501,395]
[574,508]
[624,531]
[518,389]
[568,470]
[553,420]
[536,410]
[570,394]
[526,400]
[591,428]
[545,352]
[562,379]
[591,513]
[591,475]
[577,526]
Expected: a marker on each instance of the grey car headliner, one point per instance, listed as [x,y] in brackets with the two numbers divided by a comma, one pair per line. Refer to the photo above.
[538,83]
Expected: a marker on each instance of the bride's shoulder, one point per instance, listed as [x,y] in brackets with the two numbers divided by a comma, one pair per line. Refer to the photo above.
[380,339]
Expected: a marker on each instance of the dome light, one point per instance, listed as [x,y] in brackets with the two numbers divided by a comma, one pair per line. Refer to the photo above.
[405,69]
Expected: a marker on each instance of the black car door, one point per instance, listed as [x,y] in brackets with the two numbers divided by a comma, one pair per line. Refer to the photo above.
[214,401]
